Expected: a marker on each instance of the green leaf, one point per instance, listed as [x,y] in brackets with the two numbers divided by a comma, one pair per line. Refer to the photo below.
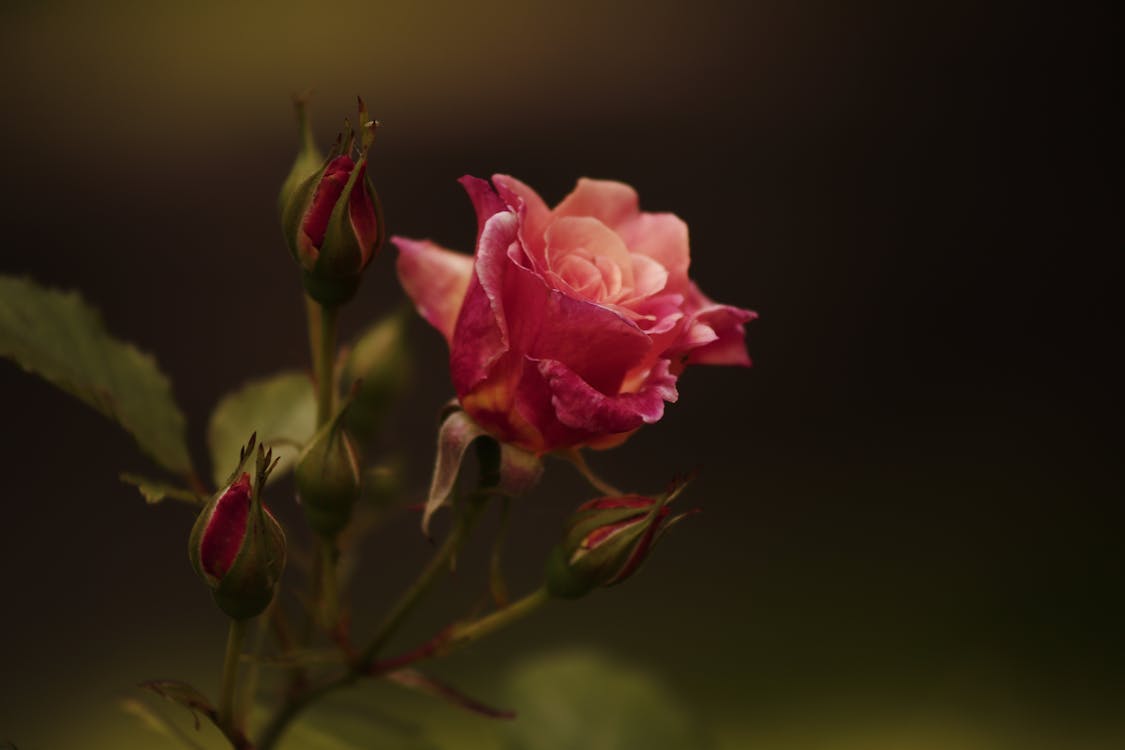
[377,371]
[281,409]
[155,491]
[581,700]
[59,337]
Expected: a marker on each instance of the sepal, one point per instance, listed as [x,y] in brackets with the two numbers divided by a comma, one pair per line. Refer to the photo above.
[514,470]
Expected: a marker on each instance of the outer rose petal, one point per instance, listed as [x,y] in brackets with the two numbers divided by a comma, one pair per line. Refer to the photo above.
[485,200]
[608,201]
[583,407]
[436,279]
[729,346]
[481,334]
[714,334]
[533,212]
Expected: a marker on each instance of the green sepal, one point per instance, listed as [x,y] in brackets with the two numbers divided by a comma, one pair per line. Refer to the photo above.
[564,582]
[293,211]
[248,587]
[309,158]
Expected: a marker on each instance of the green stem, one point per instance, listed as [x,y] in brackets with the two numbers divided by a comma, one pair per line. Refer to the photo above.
[235,636]
[250,680]
[394,618]
[446,642]
[439,562]
[324,361]
[465,633]
[329,591]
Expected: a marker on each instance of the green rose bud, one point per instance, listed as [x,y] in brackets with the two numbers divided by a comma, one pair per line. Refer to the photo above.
[328,478]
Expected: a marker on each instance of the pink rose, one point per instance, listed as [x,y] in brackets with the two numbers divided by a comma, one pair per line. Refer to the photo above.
[569,326]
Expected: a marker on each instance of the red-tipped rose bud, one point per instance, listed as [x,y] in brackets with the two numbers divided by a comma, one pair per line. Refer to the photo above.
[238,548]
[332,220]
[606,540]
[328,478]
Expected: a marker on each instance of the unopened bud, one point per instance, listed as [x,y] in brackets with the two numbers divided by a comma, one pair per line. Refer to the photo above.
[332,219]
[238,548]
[606,541]
[328,478]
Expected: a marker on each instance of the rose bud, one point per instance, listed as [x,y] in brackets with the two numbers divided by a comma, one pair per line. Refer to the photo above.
[606,540]
[569,326]
[238,547]
[328,478]
[333,221]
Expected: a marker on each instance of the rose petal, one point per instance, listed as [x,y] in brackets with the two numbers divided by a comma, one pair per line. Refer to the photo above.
[610,202]
[729,346]
[481,335]
[226,528]
[715,334]
[664,238]
[579,405]
[486,202]
[595,341]
[533,212]
[649,277]
[328,190]
[436,280]
[588,238]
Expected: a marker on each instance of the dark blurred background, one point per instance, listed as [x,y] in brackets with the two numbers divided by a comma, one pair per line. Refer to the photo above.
[912,522]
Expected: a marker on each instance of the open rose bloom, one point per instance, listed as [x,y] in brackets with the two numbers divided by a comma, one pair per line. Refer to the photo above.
[569,326]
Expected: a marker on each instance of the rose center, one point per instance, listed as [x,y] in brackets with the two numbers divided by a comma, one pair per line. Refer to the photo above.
[593,277]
